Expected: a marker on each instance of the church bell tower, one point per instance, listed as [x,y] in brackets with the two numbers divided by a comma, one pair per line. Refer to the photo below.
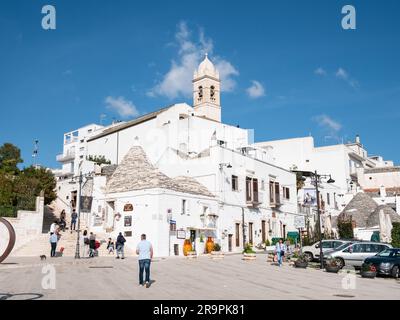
[206,91]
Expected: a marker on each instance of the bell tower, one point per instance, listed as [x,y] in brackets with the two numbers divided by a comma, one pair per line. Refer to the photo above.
[206,91]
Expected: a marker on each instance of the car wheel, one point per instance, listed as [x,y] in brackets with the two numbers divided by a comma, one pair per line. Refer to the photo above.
[340,262]
[396,272]
[309,256]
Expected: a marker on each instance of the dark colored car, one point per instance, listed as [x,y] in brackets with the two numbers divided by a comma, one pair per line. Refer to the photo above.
[386,262]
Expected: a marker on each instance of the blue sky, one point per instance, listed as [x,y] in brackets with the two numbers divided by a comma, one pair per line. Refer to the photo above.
[289,69]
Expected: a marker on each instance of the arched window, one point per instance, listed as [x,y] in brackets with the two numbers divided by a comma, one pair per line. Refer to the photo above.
[200,93]
[212,93]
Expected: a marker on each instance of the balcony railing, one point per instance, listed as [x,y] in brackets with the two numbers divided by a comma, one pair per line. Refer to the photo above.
[255,200]
[69,156]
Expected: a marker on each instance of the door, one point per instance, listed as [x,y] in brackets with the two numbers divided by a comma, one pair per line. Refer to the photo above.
[251,232]
[230,236]
[193,239]
[237,234]
[263,235]
[353,255]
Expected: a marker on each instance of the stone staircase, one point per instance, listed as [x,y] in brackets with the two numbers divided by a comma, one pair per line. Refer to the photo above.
[41,244]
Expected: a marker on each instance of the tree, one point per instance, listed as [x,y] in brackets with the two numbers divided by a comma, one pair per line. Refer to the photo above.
[345,228]
[396,235]
[30,182]
[99,159]
[10,157]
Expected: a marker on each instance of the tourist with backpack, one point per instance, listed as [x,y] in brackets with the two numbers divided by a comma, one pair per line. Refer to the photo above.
[120,245]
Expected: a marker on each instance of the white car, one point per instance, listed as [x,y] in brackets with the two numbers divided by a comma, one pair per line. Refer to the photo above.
[312,252]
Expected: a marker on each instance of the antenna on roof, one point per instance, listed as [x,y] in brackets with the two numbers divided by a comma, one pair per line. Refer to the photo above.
[35,152]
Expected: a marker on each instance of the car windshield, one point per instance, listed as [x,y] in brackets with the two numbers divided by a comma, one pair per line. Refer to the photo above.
[389,253]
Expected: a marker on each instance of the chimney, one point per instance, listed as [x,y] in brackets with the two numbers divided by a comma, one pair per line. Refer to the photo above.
[382,192]
[358,139]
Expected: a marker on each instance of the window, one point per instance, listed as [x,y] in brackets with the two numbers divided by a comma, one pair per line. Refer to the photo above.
[200,93]
[183,206]
[271,192]
[172,227]
[237,234]
[248,189]
[251,189]
[235,183]
[326,245]
[212,93]
[328,199]
[286,193]
[277,193]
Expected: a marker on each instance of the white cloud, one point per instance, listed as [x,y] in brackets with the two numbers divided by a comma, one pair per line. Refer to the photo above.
[328,123]
[124,108]
[256,90]
[345,76]
[320,72]
[178,80]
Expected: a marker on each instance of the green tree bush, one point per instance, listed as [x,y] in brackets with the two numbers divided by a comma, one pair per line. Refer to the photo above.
[396,235]
[345,228]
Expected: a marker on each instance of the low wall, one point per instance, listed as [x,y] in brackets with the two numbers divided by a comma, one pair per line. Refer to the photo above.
[27,225]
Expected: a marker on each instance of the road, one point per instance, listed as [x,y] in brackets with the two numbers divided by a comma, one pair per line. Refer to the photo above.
[179,278]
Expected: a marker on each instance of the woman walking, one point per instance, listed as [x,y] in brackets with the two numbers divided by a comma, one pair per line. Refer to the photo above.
[280,251]
[84,244]
[53,244]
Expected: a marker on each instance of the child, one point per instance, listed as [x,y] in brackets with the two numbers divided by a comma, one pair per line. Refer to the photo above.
[110,246]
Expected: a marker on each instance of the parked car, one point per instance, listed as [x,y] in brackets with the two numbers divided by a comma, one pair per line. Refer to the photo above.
[386,262]
[354,253]
[312,252]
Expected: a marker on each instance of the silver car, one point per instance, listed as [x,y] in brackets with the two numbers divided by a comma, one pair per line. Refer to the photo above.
[354,253]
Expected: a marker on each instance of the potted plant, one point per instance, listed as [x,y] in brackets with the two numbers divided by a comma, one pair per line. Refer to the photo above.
[249,253]
[332,265]
[301,261]
[216,253]
[368,270]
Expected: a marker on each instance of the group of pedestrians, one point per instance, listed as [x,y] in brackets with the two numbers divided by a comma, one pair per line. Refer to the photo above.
[89,246]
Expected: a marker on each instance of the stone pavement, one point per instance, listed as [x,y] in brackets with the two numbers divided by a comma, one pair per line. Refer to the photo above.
[179,278]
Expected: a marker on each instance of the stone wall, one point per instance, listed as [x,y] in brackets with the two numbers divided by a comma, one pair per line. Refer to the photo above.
[27,225]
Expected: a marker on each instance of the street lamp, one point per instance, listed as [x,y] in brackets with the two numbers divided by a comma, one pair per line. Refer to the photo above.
[88,176]
[317,177]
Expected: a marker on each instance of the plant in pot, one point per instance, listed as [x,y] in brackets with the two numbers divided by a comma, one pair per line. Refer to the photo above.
[216,253]
[249,253]
[301,261]
[332,265]
[368,270]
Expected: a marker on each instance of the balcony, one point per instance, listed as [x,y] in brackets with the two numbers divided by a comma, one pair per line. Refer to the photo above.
[67,157]
[254,200]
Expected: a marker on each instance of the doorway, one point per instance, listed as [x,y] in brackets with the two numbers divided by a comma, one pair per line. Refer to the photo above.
[230,239]
[193,239]
[250,232]
[263,235]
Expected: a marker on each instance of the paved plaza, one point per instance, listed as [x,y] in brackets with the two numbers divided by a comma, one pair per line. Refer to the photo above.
[179,278]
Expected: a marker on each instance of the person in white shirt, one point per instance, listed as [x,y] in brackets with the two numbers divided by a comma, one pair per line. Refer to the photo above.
[53,227]
[280,249]
[145,251]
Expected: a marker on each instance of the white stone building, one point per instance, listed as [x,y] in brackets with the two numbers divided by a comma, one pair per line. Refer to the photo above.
[182,164]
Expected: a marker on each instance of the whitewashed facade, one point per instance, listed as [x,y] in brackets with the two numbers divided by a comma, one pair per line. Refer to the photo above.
[238,180]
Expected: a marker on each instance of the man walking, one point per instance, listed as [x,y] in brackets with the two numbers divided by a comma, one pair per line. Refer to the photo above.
[74,216]
[145,251]
[120,245]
